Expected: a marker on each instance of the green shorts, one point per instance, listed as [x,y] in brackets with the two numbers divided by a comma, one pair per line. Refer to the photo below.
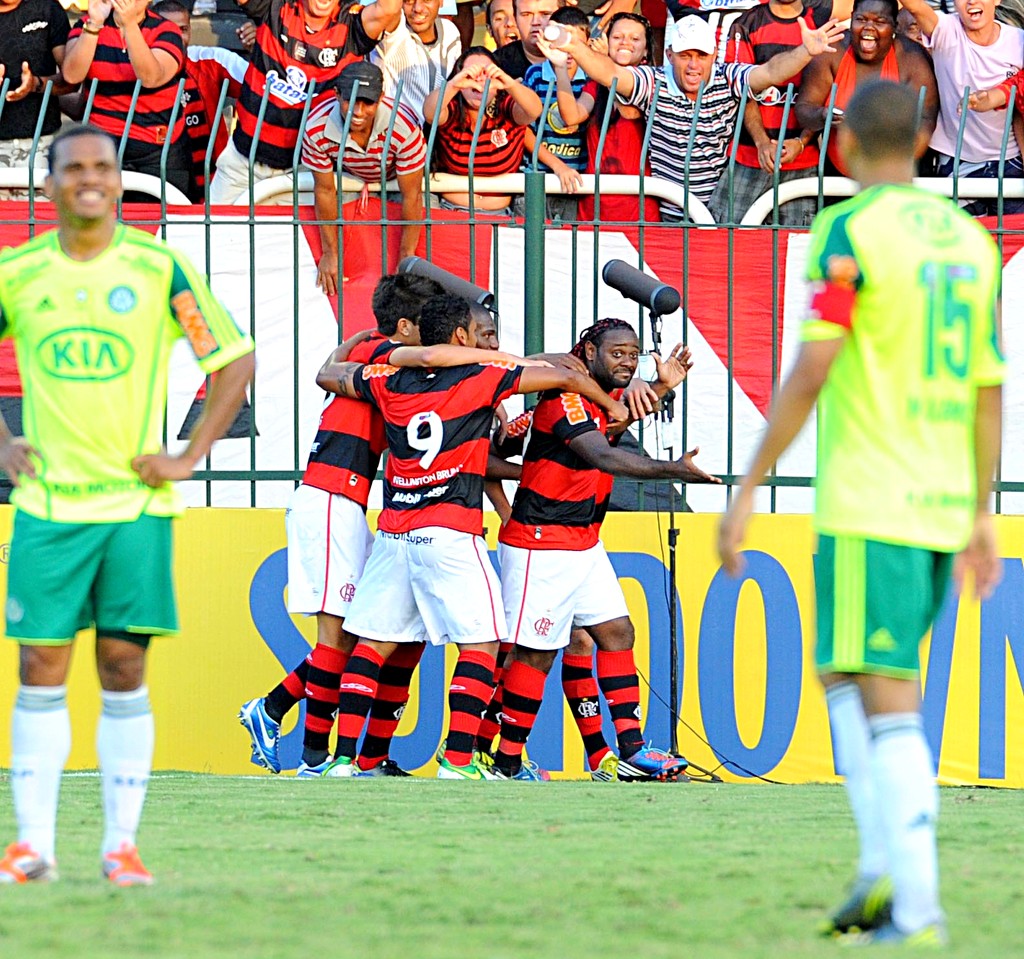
[64,577]
[876,601]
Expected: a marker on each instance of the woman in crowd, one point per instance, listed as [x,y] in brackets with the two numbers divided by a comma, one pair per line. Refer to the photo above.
[509,109]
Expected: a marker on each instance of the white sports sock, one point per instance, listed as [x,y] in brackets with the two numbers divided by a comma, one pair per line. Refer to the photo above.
[904,774]
[41,741]
[124,742]
[851,736]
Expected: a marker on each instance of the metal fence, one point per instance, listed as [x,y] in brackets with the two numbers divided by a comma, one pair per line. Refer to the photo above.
[740,286]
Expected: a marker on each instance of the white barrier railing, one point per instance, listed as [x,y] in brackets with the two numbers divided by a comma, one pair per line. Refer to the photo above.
[16,178]
[513,183]
[968,188]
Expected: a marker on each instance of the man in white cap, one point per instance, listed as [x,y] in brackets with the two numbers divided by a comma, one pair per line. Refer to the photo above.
[697,90]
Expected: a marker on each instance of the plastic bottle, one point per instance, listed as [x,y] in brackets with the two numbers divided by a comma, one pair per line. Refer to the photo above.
[557,35]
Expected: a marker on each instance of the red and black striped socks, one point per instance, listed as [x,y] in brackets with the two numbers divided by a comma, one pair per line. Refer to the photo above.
[324,676]
[583,697]
[389,703]
[288,692]
[616,672]
[468,696]
[358,688]
[524,690]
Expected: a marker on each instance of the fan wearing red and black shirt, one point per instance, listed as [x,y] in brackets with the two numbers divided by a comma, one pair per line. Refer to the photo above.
[298,42]
[120,43]
[328,543]
[428,577]
[555,573]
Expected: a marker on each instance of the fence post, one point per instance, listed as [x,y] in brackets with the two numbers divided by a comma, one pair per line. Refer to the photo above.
[536,208]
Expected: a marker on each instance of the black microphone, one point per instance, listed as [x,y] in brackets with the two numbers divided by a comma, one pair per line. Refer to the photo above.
[660,298]
[452,284]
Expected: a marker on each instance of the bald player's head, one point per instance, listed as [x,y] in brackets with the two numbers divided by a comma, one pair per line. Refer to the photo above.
[882,121]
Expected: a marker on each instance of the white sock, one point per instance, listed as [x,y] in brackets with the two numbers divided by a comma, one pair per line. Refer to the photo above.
[904,774]
[851,736]
[41,741]
[124,742]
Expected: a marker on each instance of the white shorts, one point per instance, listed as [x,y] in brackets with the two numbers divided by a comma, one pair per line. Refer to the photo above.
[328,544]
[432,584]
[385,607]
[547,592]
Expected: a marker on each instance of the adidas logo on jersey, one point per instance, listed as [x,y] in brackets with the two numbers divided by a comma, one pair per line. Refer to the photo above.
[45,305]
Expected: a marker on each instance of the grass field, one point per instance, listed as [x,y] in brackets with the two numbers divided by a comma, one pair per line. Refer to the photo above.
[268,868]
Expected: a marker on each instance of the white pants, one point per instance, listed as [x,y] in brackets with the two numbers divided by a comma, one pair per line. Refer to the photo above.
[231,181]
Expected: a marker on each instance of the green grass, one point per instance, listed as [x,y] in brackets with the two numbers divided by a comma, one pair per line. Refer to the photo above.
[268,868]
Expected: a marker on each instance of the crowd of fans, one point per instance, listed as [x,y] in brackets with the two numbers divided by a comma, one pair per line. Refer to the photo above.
[380,76]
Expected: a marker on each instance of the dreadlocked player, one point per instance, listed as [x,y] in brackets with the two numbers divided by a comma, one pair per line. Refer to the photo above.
[555,573]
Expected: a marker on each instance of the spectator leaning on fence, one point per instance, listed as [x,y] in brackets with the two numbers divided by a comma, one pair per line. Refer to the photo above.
[563,147]
[206,69]
[359,91]
[755,37]
[120,44]
[297,42]
[32,38]
[972,51]
[419,51]
[691,69]
[509,109]
[871,51]
[629,45]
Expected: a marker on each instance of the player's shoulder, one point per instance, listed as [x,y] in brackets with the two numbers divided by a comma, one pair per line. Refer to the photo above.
[40,245]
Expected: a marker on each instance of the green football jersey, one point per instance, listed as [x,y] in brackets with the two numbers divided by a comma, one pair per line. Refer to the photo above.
[93,341]
[896,415]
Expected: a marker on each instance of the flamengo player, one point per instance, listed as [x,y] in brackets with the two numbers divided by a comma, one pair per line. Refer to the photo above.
[328,542]
[94,309]
[555,573]
[429,575]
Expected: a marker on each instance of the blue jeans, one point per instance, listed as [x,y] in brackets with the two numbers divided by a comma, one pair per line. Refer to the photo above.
[1013,169]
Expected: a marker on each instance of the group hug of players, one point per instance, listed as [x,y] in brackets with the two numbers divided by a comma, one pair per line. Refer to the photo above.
[428,385]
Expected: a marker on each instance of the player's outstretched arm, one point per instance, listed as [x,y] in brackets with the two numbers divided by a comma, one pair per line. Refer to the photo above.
[537,380]
[789,412]
[597,451]
[339,378]
[227,391]
[450,354]
[643,398]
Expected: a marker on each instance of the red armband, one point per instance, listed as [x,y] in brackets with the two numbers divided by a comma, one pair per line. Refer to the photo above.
[833,303]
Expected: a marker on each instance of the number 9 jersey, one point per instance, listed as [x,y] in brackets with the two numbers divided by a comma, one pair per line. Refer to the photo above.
[438,431]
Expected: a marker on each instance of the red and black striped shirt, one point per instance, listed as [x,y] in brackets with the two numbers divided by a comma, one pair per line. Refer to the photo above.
[116,78]
[286,58]
[561,499]
[350,439]
[498,150]
[438,425]
[756,37]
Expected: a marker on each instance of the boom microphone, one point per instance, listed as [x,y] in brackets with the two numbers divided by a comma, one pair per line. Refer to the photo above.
[452,284]
[660,298]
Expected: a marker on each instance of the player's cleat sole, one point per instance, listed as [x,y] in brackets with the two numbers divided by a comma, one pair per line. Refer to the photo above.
[868,906]
[446,770]
[265,734]
[123,867]
[607,769]
[306,771]
[650,764]
[386,767]
[22,864]
[933,936]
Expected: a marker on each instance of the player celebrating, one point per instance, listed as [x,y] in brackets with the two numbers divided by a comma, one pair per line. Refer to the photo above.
[902,344]
[554,571]
[428,576]
[328,542]
[94,309]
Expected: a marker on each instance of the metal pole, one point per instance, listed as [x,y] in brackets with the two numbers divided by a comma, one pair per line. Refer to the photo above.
[534,263]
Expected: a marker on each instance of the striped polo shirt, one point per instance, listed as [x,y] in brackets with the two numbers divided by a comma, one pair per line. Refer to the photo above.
[116,79]
[406,152]
[422,67]
[674,117]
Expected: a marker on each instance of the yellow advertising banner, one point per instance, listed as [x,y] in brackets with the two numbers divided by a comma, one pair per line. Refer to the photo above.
[750,702]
